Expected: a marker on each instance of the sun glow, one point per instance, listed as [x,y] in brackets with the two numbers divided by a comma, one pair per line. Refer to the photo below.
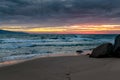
[73,29]
[46,29]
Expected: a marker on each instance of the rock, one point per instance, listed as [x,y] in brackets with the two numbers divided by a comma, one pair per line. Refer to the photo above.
[88,54]
[117,47]
[79,51]
[104,50]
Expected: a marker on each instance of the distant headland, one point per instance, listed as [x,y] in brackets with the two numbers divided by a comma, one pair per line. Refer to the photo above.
[11,32]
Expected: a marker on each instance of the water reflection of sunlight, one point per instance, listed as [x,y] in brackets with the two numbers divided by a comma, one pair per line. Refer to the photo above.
[6,63]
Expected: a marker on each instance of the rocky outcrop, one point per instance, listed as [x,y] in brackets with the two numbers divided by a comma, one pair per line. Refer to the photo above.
[117,47]
[104,50]
[107,49]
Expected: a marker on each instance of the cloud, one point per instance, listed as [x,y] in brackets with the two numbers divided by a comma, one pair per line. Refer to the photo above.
[59,12]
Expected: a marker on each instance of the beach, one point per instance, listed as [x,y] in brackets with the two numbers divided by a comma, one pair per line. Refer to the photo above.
[59,39]
[63,68]
[55,57]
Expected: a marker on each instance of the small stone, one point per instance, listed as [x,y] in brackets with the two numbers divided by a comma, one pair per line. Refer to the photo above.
[79,51]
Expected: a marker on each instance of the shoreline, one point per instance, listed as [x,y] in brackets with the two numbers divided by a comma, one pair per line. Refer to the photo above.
[12,62]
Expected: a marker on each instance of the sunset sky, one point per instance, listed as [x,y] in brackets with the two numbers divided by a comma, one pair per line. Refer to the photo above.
[61,16]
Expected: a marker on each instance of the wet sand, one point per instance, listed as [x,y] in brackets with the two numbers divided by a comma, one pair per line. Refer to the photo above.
[63,68]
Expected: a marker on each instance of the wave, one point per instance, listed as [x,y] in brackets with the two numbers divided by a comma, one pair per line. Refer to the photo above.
[21,47]
[13,43]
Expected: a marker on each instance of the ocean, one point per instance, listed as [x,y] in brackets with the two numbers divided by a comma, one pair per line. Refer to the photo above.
[28,46]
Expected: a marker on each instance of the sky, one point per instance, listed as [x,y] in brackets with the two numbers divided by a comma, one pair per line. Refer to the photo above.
[61,16]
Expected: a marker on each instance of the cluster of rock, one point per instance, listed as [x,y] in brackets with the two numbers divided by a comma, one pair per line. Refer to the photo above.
[107,49]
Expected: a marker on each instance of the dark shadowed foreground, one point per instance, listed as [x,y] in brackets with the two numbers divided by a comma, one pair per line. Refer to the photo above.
[63,68]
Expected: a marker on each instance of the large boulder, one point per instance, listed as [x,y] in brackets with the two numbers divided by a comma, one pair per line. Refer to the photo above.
[117,47]
[104,50]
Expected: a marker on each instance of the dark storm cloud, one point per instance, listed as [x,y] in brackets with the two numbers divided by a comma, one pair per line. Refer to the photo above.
[59,12]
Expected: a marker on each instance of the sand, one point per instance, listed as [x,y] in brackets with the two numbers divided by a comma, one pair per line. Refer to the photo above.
[63,68]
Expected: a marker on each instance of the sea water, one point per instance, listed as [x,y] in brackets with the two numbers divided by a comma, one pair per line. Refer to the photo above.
[27,46]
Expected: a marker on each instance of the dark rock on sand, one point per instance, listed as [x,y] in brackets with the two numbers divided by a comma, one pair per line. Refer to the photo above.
[104,50]
[79,51]
[117,47]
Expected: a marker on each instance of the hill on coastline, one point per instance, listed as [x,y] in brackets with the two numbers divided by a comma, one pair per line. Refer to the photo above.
[11,32]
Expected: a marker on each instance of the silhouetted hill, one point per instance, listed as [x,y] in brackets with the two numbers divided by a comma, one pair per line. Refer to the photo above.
[11,32]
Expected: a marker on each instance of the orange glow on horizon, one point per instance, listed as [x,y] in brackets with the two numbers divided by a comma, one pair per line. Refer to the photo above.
[73,29]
